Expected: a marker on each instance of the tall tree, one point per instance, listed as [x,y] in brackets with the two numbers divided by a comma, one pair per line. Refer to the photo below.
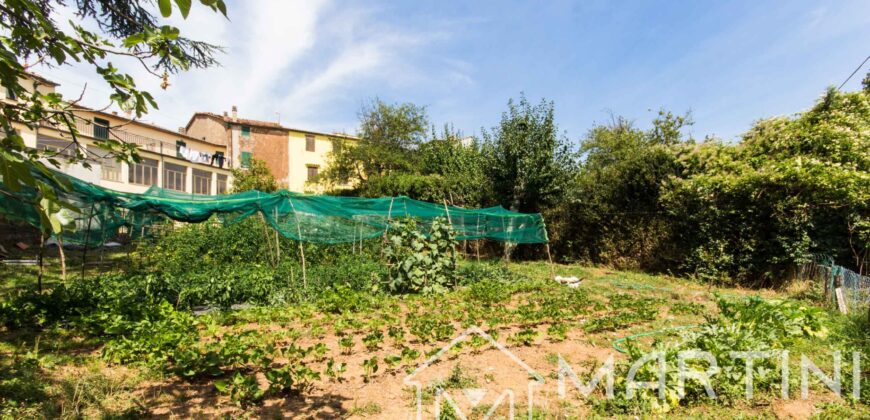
[528,161]
[389,135]
[614,207]
[127,30]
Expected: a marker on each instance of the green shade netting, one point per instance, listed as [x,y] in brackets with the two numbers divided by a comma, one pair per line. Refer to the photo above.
[303,217]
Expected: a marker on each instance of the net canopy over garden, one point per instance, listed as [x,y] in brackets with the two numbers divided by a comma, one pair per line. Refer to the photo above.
[100,212]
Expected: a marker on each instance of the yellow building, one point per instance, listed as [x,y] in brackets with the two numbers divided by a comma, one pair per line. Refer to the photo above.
[294,156]
[169,159]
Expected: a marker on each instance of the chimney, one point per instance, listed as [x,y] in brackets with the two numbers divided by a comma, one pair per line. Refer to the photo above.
[181,130]
[225,113]
[235,113]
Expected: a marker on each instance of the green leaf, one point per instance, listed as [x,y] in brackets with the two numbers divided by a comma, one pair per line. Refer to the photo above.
[165,7]
[183,7]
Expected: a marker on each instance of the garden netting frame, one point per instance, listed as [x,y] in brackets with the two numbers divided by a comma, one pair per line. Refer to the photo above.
[322,219]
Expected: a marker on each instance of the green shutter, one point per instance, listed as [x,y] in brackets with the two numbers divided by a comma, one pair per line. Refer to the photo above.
[246,131]
[101,129]
[246,159]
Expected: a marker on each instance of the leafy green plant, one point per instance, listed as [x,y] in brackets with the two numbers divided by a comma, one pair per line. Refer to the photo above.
[291,376]
[409,354]
[557,332]
[370,367]
[397,334]
[243,390]
[742,325]
[525,337]
[393,361]
[687,308]
[429,329]
[417,262]
[346,344]
[373,340]
[335,370]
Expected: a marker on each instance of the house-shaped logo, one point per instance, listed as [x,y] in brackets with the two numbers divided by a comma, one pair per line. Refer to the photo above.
[474,396]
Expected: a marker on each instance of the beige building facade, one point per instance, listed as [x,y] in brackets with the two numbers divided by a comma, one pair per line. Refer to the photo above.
[197,159]
[169,159]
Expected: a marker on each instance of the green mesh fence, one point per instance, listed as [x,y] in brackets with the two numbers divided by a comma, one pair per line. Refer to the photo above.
[855,287]
[309,218]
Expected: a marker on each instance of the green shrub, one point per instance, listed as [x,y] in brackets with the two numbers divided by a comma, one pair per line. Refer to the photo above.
[420,263]
[743,325]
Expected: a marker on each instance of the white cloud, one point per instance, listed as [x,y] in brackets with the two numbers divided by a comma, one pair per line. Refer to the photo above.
[299,58]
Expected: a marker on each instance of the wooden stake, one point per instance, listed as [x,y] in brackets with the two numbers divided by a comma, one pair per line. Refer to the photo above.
[41,253]
[87,238]
[477,242]
[389,218]
[550,259]
[62,258]
[277,241]
[301,248]
[446,210]
[302,254]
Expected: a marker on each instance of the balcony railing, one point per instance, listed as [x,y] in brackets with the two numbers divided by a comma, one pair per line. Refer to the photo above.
[90,129]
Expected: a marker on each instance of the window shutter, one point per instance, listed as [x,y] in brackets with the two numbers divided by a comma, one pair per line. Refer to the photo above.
[101,129]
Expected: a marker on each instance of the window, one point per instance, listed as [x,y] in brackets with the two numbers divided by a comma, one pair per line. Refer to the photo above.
[174,176]
[178,145]
[144,172]
[221,184]
[312,172]
[309,142]
[201,182]
[246,131]
[246,159]
[110,167]
[101,129]
[219,159]
[10,94]
[63,148]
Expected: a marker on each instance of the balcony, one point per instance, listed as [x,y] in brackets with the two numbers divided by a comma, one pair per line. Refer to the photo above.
[88,128]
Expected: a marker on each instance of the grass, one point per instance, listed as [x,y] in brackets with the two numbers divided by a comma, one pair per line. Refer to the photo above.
[56,373]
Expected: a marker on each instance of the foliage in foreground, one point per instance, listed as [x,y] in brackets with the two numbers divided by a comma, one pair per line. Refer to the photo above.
[751,324]
[30,31]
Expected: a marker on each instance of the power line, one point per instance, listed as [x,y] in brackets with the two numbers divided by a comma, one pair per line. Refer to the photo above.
[853,73]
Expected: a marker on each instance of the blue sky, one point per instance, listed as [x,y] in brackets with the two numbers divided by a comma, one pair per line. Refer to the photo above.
[315,62]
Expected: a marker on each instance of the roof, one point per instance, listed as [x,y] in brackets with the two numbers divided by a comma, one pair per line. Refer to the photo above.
[41,79]
[174,133]
[241,121]
[264,124]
